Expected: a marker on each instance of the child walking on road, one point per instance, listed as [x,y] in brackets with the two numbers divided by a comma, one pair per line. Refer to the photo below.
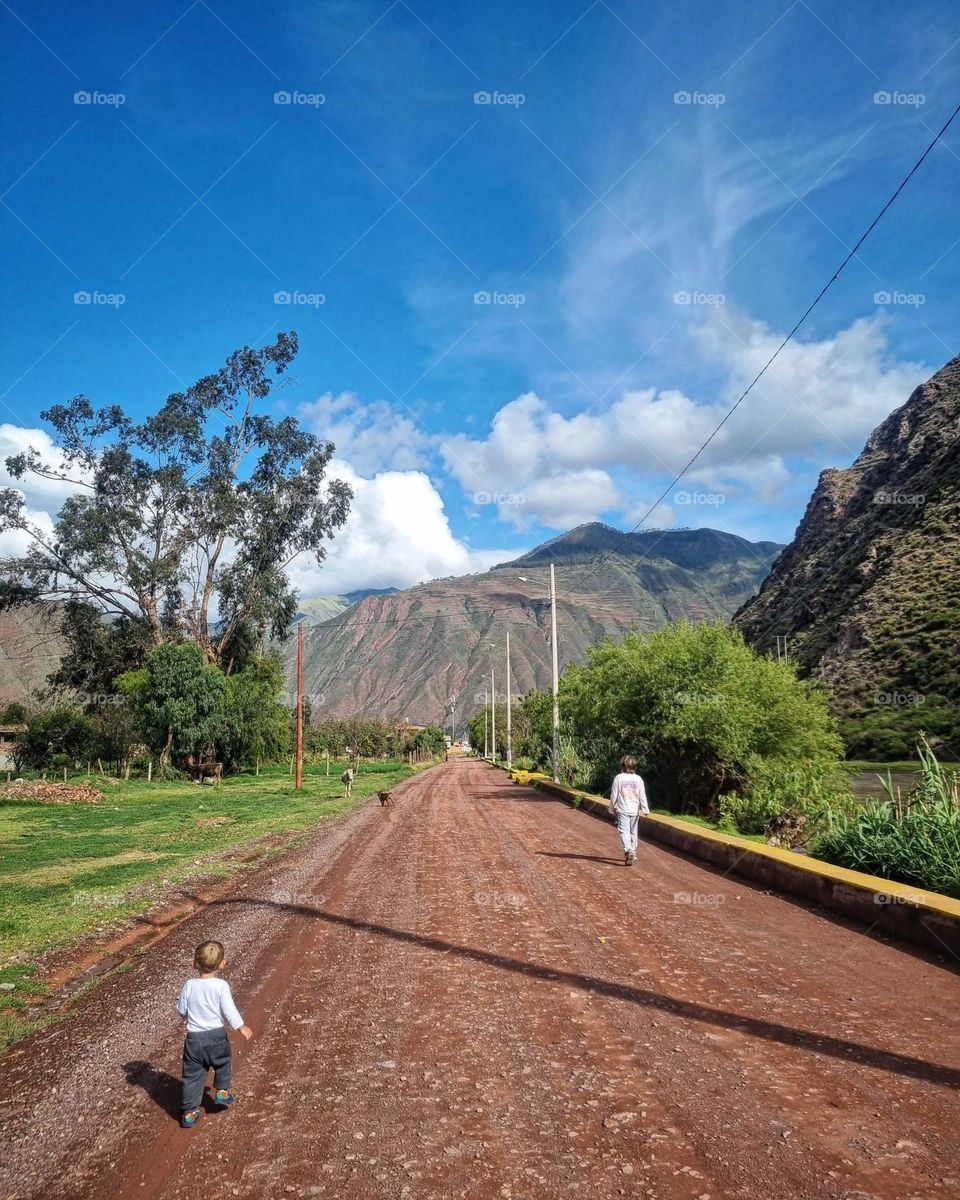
[206,1003]
[628,799]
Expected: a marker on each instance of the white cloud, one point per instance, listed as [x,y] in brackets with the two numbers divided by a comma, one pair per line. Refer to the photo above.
[397,534]
[820,397]
[14,543]
[371,436]
[40,493]
[817,404]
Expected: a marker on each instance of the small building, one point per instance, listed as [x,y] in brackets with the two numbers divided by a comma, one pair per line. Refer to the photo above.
[8,739]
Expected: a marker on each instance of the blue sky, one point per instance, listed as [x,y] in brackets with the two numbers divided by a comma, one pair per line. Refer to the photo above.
[648,195]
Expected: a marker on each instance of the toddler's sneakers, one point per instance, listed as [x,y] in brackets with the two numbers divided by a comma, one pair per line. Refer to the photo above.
[191,1117]
[223,1099]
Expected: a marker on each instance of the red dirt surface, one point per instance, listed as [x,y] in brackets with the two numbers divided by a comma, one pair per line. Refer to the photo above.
[466,994]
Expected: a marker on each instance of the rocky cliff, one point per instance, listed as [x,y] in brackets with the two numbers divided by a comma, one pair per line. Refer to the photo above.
[868,592]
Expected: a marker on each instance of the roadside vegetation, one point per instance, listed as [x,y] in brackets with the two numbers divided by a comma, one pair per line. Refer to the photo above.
[914,839]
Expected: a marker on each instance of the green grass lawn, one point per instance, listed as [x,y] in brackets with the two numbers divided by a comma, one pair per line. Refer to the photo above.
[66,870]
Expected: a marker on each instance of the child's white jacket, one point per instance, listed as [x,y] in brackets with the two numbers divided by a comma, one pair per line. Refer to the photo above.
[628,795]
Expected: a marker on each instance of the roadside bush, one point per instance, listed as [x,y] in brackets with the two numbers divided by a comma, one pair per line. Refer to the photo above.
[788,802]
[533,729]
[370,737]
[746,814]
[574,771]
[702,712]
[430,740]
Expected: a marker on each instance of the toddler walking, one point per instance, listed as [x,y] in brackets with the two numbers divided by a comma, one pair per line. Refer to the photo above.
[206,1004]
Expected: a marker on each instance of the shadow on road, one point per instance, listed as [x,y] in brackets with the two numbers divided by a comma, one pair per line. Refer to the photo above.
[514,795]
[600,858]
[801,1039]
[162,1088]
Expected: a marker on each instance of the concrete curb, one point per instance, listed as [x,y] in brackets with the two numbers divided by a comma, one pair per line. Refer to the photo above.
[925,918]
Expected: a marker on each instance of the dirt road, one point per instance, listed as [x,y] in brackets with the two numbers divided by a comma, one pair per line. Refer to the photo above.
[469,995]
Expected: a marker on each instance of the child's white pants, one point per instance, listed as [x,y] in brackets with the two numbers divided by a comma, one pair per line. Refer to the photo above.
[628,825]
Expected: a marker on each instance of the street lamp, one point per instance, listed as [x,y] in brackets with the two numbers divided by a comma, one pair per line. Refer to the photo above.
[509,723]
[556,674]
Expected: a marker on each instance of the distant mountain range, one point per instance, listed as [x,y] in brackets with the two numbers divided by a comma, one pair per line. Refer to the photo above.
[322,608]
[407,653]
[868,592]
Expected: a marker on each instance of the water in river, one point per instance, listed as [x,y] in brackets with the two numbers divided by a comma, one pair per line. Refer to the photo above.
[867,784]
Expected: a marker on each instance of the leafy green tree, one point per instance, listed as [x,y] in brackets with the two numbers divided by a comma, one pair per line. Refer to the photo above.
[431,740]
[180,702]
[115,729]
[370,737]
[533,729]
[475,726]
[699,709]
[58,735]
[184,523]
[97,650]
[257,724]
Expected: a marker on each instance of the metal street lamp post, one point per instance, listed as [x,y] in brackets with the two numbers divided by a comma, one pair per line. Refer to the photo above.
[509,718]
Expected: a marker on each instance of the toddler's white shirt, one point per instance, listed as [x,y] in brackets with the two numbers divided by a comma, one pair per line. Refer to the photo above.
[208,1004]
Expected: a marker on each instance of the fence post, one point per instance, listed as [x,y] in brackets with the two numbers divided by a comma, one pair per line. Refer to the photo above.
[150,770]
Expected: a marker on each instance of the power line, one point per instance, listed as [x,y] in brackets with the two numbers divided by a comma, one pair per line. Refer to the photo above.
[823,291]
[335,625]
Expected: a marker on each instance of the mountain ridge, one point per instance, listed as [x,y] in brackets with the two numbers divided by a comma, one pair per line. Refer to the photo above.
[407,653]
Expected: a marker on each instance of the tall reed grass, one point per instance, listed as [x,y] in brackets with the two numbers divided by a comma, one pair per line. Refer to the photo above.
[913,839]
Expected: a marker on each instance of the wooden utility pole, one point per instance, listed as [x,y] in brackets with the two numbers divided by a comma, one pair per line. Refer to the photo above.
[299,705]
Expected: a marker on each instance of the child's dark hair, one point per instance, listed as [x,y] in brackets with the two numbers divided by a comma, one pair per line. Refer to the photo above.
[628,764]
[208,956]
